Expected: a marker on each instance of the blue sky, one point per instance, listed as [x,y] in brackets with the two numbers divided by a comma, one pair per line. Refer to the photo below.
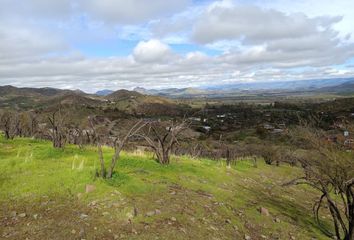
[112,44]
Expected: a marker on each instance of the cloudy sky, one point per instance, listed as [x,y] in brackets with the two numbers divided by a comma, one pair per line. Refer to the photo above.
[113,44]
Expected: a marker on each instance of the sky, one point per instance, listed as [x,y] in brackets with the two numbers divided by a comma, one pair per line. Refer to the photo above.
[113,44]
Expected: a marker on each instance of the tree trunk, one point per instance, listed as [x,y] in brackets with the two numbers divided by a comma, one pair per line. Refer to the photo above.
[100,154]
[7,135]
[166,157]
[114,161]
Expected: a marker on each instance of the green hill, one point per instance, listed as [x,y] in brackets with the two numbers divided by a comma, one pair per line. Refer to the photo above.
[43,196]
[134,102]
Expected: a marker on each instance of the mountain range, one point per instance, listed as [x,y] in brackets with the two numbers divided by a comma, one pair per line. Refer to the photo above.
[337,85]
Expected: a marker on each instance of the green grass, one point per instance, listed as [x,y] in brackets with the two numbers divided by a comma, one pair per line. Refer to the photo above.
[208,200]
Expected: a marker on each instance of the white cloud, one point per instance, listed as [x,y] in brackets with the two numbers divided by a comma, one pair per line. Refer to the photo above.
[21,42]
[267,41]
[252,24]
[315,8]
[152,51]
[132,11]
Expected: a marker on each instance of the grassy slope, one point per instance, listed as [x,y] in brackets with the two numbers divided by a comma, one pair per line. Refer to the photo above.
[196,199]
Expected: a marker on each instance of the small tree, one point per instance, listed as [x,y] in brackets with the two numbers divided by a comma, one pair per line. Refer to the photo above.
[162,138]
[330,170]
[105,132]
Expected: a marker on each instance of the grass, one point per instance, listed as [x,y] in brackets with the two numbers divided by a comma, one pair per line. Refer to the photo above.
[192,199]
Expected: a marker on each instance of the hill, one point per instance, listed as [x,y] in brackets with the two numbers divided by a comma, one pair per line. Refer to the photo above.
[141,104]
[29,98]
[53,194]
[34,92]
[73,99]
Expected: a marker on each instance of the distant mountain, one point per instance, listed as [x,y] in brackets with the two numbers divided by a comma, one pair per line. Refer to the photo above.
[104,92]
[347,87]
[283,85]
[335,85]
[172,92]
[145,91]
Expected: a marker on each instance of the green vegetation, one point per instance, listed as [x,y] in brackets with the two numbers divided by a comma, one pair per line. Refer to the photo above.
[188,199]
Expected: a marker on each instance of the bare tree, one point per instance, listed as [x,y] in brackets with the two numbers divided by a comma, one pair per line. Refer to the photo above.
[33,119]
[76,136]
[330,170]
[57,131]
[162,138]
[7,125]
[106,131]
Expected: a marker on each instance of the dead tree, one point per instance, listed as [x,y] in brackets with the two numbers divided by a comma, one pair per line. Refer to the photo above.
[162,138]
[329,169]
[7,125]
[106,130]
[57,131]
[33,119]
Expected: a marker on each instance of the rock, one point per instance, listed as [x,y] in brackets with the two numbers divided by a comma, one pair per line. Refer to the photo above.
[22,215]
[35,216]
[247,237]
[263,237]
[90,188]
[292,238]
[83,216]
[264,211]
[73,231]
[173,219]
[214,228]
[105,213]
[150,213]
[228,221]
[115,237]
[82,233]
[277,220]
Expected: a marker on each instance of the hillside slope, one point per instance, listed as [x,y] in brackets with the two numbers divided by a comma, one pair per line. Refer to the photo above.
[42,196]
[137,103]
